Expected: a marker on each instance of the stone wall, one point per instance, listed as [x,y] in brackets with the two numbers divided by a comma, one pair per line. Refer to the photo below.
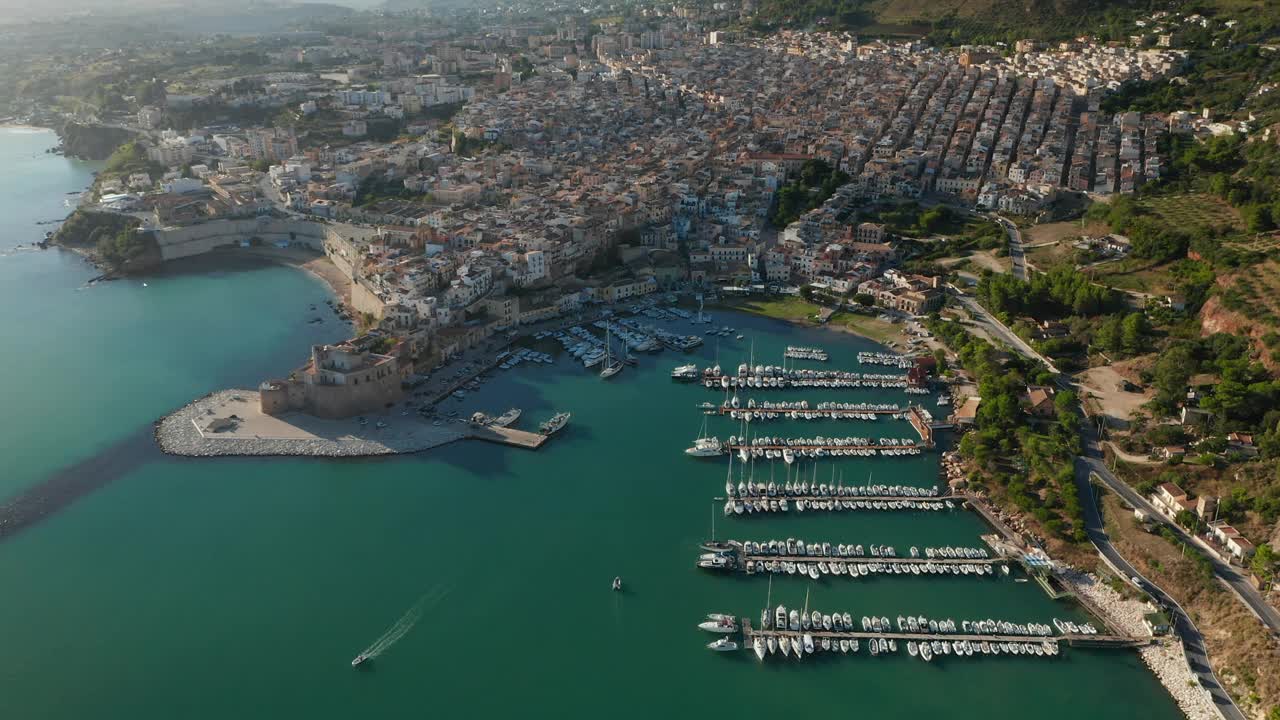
[339,401]
[365,301]
[342,252]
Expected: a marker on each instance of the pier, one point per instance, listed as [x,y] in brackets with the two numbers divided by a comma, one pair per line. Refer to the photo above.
[807,413]
[858,567]
[802,450]
[749,633]
[922,421]
[507,436]
[831,503]
[866,560]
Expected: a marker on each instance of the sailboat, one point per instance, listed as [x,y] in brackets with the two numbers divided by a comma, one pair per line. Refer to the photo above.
[714,545]
[611,366]
[703,446]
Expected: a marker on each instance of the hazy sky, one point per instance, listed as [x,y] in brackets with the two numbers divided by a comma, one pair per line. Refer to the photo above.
[23,9]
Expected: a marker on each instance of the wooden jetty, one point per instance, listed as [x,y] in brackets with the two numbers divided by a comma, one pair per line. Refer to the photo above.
[507,436]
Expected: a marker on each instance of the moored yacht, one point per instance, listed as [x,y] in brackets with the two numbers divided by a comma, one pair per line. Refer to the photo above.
[719,626]
[724,644]
[555,424]
[685,373]
[705,447]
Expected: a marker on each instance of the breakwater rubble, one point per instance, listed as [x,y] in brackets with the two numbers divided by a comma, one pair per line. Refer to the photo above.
[1165,657]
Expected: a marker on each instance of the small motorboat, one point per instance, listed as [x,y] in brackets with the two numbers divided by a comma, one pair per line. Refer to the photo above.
[360,660]
[617,584]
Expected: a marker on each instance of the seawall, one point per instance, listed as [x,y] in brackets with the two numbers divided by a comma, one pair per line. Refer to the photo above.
[181,242]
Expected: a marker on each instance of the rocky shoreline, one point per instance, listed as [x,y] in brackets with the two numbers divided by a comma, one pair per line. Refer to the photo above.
[1164,657]
[177,434]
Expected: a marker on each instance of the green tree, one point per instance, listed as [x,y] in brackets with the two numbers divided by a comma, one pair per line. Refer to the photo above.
[1109,335]
[1134,331]
[1170,374]
[1257,218]
[1263,564]
[1065,402]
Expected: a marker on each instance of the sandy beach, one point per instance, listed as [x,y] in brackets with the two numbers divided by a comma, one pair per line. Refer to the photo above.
[315,263]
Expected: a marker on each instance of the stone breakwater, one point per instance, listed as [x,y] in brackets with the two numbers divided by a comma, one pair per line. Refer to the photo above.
[1170,666]
[186,432]
[1165,658]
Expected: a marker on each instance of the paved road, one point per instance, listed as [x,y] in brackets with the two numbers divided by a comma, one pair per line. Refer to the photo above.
[1016,254]
[997,329]
[1188,633]
[1243,589]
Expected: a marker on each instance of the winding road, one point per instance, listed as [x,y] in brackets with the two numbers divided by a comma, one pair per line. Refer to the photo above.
[1190,636]
[1230,576]
[1092,464]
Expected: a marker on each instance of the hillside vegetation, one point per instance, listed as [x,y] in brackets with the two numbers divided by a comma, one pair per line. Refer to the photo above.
[990,21]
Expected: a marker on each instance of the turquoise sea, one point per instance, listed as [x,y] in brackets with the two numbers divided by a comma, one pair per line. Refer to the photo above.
[157,587]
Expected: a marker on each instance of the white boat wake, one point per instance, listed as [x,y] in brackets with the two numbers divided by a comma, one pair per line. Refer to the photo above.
[405,623]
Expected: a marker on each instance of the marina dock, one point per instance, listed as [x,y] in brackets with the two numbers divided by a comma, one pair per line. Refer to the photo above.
[1077,640]
[824,447]
[815,503]
[853,568]
[902,561]
[805,413]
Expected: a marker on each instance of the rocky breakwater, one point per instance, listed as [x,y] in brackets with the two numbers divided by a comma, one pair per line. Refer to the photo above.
[229,423]
[1165,657]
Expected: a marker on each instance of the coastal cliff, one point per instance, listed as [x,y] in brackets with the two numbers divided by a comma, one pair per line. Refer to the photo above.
[110,240]
[91,142]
